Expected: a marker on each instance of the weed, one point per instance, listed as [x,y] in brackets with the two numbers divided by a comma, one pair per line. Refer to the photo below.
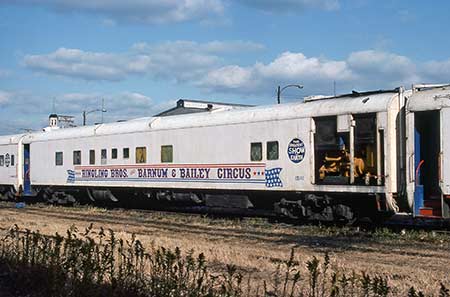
[97,263]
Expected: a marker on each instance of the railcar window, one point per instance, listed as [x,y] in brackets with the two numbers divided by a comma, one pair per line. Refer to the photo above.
[272,150]
[59,158]
[332,152]
[166,154]
[141,154]
[126,153]
[366,149]
[2,160]
[104,156]
[114,153]
[12,160]
[92,157]
[76,157]
[256,151]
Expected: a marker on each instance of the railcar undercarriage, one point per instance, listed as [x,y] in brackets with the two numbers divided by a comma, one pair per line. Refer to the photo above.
[7,193]
[324,207]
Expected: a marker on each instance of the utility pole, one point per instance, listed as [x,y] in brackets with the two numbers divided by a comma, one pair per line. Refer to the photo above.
[84,117]
[103,108]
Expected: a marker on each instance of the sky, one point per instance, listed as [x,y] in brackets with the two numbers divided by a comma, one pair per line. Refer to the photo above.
[141,56]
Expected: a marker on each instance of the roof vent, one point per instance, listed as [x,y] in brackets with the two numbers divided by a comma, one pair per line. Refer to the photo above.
[315,97]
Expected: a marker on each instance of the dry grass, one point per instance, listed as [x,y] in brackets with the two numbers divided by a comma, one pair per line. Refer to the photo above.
[421,260]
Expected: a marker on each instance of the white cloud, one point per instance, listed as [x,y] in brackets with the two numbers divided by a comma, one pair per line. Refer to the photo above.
[292,65]
[291,6]
[80,64]
[124,105]
[380,67]
[286,68]
[361,70]
[204,65]
[229,78]
[120,106]
[136,11]
[207,12]
[176,60]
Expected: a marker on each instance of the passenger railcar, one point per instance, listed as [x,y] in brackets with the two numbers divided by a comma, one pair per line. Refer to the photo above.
[10,166]
[428,150]
[325,158]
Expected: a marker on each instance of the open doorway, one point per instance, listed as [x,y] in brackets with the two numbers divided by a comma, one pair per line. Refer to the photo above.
[26,170]
[427,196]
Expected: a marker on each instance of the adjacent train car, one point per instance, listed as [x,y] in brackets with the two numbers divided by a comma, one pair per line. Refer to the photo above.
[428,150]
[10,166]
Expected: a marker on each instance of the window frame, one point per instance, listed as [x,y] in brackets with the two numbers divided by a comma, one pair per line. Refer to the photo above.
[13,161]
[91,157]
[76,153]
[144,160]
[126,149]
[61,159]
[103,156]
[114,153]
[268,157]
[170,147]
[2,160]
[252,145]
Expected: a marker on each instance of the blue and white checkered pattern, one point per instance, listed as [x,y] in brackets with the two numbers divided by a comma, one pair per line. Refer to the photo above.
[273,178]
[70,176]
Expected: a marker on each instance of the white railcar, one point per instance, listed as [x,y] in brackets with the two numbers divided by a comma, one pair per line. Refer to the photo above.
[323,158]
[9,168]
[428,150]
[325,151]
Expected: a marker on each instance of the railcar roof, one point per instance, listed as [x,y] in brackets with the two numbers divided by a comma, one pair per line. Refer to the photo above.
[10,139]
[352,103]
[430,99]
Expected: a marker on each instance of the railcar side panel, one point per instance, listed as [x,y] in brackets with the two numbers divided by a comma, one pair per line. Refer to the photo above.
[212,157]
[444,155]
[8,165]
[216,157]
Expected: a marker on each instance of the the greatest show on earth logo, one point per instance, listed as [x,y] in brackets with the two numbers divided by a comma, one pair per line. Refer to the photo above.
[296,150]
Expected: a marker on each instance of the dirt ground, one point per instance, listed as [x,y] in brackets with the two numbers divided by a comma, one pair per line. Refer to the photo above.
[256,246]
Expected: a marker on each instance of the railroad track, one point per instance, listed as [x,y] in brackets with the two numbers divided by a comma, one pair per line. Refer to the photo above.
[396,223]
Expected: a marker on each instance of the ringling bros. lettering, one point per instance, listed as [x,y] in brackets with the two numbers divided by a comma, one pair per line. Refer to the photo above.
[252,173]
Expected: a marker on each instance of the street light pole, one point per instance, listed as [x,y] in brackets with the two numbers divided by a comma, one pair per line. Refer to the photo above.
[279,95]
[85,113]
[281,89]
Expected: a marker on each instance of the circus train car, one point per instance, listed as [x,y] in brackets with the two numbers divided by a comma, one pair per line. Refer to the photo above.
[428,150]
[10,168]
[326,158]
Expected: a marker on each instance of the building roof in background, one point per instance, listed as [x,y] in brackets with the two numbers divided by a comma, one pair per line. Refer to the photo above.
[186,106]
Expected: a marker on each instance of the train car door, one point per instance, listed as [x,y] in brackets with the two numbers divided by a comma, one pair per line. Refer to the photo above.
[427,147]
[444,162]
[26,170]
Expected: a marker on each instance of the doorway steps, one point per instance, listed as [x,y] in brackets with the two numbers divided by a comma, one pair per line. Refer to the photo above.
[431,208]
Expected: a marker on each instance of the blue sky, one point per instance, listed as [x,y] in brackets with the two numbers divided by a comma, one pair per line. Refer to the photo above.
[143,55]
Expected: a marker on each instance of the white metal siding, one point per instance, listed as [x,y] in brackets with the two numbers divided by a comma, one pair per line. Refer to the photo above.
[445,152]
[8,174]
